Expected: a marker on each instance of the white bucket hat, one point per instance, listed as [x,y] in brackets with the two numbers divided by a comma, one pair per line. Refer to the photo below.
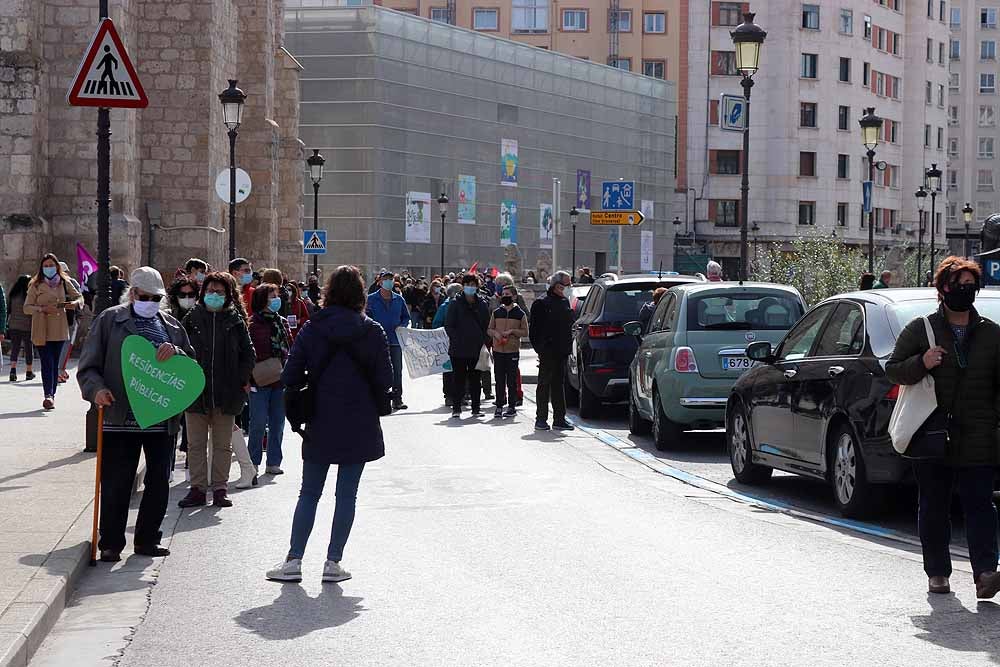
[148,279]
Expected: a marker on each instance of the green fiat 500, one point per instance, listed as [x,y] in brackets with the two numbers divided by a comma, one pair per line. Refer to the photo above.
[694,350]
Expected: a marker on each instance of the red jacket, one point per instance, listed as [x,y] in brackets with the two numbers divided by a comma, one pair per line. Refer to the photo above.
[248,291]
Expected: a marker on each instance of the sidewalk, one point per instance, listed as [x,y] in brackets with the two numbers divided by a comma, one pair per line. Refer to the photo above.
[46,488]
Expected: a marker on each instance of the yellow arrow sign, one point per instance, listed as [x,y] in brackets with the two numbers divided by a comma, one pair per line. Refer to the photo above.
[630,218]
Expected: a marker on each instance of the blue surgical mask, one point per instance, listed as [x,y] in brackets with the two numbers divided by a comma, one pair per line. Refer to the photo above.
[274,305]
[199,277]
[50,271]
[388,285]
[470,290]
[246,278]
[214,301]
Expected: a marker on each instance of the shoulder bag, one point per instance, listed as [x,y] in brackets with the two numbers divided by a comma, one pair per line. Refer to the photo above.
[918,427]
[267,372]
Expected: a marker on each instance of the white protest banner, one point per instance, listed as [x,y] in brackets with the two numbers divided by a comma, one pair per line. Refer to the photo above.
[425,351]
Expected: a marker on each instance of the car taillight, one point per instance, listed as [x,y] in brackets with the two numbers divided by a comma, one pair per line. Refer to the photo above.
[893,393]
[604,331]
[684,361]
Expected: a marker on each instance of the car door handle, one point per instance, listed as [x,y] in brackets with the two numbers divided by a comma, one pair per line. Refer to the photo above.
[791,373]
[834,371]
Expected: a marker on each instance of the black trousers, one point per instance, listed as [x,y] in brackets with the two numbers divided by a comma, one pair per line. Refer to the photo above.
[120,460]
[551,375]
[505,370]
[464,374]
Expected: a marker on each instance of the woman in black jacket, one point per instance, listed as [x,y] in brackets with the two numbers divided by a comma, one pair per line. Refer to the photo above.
[222,346]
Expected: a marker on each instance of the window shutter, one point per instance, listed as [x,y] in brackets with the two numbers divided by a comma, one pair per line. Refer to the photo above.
[713,112]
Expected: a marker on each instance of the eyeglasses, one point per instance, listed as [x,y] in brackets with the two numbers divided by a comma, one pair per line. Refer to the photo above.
[185,295]
[148,297]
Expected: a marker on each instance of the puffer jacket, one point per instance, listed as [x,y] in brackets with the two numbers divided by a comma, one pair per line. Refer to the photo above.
[511,326]
[551,326]
[971,394]
[466,326]
[223,350]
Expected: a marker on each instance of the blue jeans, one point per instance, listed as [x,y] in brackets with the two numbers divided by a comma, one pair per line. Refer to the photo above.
[49,356]
[267,410]
[313,480]
[396,355]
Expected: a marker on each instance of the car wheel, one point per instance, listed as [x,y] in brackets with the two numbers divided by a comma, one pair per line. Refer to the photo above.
[665,432]
[854,494]
[741,452]
[590,403]
[637,425]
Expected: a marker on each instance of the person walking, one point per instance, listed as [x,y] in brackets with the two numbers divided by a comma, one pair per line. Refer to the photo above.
[19,329]
[50,294]
[884,281]
[242,271]
[73,322]
[508,325]
[3,314]
[965,365]
[100,378]
[466,322]
[298,311]
[551,321]
[347,355]
[271,341]
[389,309]
[222,348]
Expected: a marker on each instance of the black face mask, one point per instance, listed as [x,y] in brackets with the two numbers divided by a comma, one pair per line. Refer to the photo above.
[960,298]
[506,300]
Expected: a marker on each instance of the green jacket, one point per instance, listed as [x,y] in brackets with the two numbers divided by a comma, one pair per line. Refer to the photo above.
[971,394]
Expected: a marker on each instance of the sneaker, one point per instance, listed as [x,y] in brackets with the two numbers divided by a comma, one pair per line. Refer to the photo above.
[29,376]
[220,498]
[332,572]
[541,425]
[562,425]
[498,413]
[274,470]
[289,570]
[13,375]
[477,412]
[456,414]
[195,498]
[510,412]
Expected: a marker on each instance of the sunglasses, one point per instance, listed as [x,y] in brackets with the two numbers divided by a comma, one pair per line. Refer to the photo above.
[148,297]
[184,295]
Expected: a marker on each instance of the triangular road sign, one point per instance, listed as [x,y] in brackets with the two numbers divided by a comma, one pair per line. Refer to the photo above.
[314,242]
[106,77]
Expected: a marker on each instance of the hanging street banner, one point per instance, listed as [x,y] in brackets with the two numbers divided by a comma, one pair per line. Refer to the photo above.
[613,247]
[631,218]
[647,207]
[546,224]
[425,351]
[418,217]
[866,196]
[157,391]
[466,200]
[106,77]
[646,250]
[508,222]
[508,162]
[583,190]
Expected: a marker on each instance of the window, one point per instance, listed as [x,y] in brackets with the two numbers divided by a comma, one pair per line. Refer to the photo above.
[953,146]
[953,212]
[843,166]
[621,63]
[987,115]
[846,22]
[654,68]
[940,138]
[987,50]
[929,93]
[486,19]
[440,14]
[730,13]
[985,151]
[956,17]
[529,16]
[807,114]
[983,209]
[810,17]
[881,34]
[868,27]
[940,53]
[845,70]
[988,17]
[726,212]
[845,335]
[984,179]
[807,213]
[623,18]
[952,179]
[843,118]
[930,50]
[891,127]
[807,163]
[727,162]
[654,22]
[987,83]
[879,83]
[574,20]
[941,11]
[810,64]
[800,339]
[940,95]
[842,209]
[953,81]
[866,74]
[953,114]
[955,49]
[927,136]
[724,62]
[930,9]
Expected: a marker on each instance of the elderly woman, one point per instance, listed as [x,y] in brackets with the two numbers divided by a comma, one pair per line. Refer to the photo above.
[965,365]
[100,378]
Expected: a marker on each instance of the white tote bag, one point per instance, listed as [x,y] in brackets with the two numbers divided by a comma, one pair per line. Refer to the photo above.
[915,404]
[484,360]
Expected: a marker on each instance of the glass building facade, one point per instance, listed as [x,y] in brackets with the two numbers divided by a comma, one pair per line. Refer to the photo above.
[404,109]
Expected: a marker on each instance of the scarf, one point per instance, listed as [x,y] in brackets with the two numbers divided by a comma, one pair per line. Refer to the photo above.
[279,341]
[54,281]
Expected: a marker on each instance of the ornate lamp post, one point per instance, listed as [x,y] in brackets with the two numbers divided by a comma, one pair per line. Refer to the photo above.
[232,99]
[871,128]
[921,196]
[747,38]
[316,163]
[573,216]
[967,214]
[443,208]
[934,185]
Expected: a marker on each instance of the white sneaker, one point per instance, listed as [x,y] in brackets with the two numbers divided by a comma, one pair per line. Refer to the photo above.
[332,572]
[289,570]
[248,476]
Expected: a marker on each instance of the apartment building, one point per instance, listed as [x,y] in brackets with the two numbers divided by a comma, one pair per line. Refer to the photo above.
[822,64]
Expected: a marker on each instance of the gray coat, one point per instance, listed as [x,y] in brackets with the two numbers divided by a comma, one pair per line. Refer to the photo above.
[101,360]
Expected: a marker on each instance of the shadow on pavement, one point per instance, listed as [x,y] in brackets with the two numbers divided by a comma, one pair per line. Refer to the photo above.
[19,415]
[952,626]
[51,465]
[294,614]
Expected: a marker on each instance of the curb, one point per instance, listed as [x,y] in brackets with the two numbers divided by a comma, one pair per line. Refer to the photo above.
[36,609]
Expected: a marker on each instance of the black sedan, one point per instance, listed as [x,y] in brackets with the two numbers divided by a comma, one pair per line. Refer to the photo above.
[819,404]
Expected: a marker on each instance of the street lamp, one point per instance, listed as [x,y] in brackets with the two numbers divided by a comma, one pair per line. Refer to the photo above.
[755,228]
[747,38]
[316,163]
[573,216]
[934,185]
[967,214]
[871,128]
[232,99]
[921,196]
[443,208]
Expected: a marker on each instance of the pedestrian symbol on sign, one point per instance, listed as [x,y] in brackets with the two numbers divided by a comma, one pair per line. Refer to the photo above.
[314,243]
[106,77]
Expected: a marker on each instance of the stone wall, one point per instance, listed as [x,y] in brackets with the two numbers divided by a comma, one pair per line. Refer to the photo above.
[291,166]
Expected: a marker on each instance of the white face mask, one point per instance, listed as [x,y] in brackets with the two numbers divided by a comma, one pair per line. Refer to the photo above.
[146,309]
[186,304]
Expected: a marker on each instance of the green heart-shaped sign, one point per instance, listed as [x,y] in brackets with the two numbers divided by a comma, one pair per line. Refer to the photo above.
[157,392]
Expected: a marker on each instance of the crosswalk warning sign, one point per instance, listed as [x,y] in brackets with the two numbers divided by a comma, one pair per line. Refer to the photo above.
[314,242]
[106,77]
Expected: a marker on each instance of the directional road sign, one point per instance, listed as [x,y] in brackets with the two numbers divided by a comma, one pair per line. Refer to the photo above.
[314,242]
[732,114]
[631,218]
[106,77]
[618,196]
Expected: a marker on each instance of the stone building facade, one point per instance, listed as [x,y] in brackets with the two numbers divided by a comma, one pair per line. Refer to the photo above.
[165,158]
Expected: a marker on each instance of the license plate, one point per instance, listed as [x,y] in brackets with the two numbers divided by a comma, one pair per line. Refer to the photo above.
[735,363]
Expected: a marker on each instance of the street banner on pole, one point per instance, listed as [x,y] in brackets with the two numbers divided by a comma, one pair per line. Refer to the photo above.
[508,162]
[425,351]
[418,217]
[545,225]
[508,222]
[466,200]
[583,190]
[106,77]
[866,196]
[646,250]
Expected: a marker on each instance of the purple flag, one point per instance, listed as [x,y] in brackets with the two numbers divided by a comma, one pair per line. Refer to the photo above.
[85,263]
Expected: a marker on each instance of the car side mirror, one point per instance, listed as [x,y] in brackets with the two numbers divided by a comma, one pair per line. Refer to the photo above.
[760,351]
[633,329]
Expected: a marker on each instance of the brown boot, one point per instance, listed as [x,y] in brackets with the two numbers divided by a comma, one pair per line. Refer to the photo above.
[987,585]
[220,498]
[938,585]
[194,498]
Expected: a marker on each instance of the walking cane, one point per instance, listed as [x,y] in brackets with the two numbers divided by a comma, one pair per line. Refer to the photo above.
[97,484]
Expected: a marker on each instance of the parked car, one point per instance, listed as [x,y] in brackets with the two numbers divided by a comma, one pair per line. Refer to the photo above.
[819,403]
[695,351]
[597,370]
[577,295]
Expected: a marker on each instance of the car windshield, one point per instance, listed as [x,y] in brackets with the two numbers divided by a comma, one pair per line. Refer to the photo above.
[623,302]
[903,313]
[761,311]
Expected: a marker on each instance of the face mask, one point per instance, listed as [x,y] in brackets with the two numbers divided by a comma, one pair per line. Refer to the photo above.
[274,305]
[506,300]
[439,290]
[214,301]
[146,309]
[470,290]
[960,298]
[387,285]
[188,303]
[199,277]
[50,271]
[246,278]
